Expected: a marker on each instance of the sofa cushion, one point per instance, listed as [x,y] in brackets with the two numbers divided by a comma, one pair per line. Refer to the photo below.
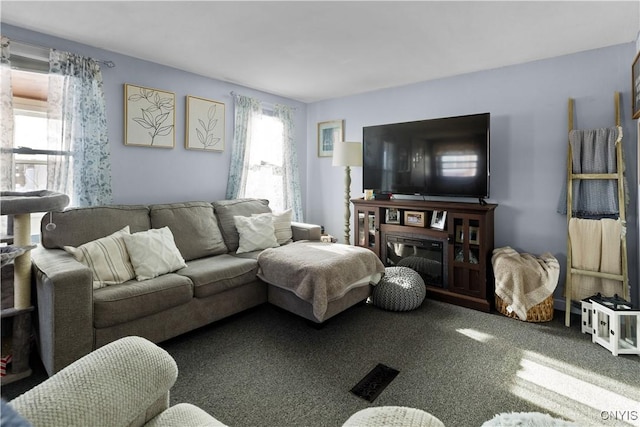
[77,226]
[131,300]
[256,233]
[211,276]
[107,258]
[153,253]
[281,225]
[194,227]
[225,211]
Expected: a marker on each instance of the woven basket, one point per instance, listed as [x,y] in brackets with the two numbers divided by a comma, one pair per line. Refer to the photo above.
[542,312]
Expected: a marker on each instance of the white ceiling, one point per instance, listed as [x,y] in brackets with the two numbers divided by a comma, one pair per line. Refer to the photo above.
[315,50]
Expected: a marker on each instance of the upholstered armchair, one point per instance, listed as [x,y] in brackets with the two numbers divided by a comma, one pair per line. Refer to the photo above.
[124,383]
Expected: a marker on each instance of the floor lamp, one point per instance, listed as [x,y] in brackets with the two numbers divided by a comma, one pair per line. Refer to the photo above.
[347,154]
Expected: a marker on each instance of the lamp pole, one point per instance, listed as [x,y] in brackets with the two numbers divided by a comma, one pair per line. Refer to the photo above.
[347,154]
[347,207]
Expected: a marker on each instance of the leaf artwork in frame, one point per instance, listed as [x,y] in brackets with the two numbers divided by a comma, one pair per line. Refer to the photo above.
[150,117]
[205,127]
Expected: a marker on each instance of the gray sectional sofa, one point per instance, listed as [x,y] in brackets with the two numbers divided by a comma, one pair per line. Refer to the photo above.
[74,318]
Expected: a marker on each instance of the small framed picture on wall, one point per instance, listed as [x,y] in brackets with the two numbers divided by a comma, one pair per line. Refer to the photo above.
[329,133]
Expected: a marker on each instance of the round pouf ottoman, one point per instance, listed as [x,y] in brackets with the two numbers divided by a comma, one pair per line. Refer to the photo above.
[383,416]
[400,289]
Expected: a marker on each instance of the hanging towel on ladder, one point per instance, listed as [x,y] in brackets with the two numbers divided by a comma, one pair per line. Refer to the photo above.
[593,151]
[595,246]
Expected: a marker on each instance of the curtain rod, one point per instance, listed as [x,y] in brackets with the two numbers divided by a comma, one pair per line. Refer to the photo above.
[269,104]
[107,63]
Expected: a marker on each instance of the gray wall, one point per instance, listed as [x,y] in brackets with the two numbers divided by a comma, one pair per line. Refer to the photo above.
[528,106]
[155,175]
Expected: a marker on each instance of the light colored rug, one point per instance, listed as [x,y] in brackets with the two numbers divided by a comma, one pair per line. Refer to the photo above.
[526,419]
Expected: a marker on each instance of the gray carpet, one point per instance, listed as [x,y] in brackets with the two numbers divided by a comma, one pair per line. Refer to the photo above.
[266,367]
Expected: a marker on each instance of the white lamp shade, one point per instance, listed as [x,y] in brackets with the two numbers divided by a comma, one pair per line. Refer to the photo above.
[347,154]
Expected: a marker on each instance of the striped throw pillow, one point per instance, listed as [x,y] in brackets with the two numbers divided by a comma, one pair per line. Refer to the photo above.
[107,258]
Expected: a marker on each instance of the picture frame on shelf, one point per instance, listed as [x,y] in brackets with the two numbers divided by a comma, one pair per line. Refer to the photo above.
[438,219]
[329,133]
[474,237]
[149,117]
[635,87]
[205,124]
[459,234]
[392,216]
[414,218]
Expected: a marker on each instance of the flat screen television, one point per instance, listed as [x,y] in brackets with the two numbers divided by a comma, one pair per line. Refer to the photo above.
[435,157]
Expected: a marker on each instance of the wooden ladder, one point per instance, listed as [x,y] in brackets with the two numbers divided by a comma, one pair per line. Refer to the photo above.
[619,177]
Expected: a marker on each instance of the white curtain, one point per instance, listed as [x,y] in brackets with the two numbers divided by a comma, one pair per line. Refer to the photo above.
[276,179]
[291,176]
[246,109]
[7,161]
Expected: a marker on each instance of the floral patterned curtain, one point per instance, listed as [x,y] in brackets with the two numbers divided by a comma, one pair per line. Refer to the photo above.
[291,189]
[78,125]
[245,110]
[7,161]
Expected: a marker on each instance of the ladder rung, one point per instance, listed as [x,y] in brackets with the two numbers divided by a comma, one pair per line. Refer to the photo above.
[594,176]
[618,277]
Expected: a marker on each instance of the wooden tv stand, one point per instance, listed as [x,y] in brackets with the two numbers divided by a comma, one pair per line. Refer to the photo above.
[467,233]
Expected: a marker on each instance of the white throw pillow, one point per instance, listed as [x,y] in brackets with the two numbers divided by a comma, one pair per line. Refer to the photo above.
[255,233]
[153,253]
[281,225]
[107,258]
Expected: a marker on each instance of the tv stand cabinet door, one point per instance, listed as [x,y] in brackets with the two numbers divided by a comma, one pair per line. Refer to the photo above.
[468,255]
[367,229]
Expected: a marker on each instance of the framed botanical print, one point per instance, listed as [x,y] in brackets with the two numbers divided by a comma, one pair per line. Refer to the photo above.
[149,117]
[204,124]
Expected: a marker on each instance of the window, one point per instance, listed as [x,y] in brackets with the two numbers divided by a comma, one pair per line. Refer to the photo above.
[263,158]
[265,176]
[30,131]
[30,125]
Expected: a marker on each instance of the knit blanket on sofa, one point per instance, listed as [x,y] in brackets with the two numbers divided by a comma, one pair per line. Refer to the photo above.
[317,272]
[523,280]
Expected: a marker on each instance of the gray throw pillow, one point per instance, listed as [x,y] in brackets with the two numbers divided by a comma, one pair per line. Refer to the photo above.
[194,228]
[225,211]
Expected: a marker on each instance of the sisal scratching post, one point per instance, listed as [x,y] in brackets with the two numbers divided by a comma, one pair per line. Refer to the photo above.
[22,263]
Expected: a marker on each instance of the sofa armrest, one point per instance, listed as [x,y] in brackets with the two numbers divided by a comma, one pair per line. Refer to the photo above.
[182,415]
[119,384]
[304,231]
[64,290]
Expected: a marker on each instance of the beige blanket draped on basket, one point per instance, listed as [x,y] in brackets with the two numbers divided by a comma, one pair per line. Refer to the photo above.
[596,246]
[523,280]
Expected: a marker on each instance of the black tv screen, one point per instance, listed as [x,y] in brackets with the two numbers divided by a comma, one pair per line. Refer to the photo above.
[436,157]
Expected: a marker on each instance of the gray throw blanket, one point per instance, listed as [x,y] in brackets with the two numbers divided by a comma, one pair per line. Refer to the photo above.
[317,272]
[593,151]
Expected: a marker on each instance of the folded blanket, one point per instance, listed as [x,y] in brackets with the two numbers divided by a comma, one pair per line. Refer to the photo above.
[522,280]
[317,272]
[595,246]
